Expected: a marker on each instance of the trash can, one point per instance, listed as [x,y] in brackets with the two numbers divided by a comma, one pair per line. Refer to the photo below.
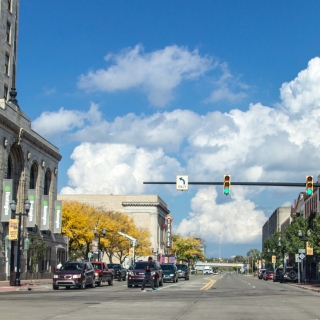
[12,278]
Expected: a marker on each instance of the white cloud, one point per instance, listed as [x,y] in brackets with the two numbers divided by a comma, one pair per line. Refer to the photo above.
[236,221]
[156,73]
[224,93]
[116,168]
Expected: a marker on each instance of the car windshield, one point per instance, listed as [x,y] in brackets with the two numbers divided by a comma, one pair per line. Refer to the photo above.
[97,266]
[166,267]
[142,265]
[269,272]
[181,266]
[71,267]
[113,266]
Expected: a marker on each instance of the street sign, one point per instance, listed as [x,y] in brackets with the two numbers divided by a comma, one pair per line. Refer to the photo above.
[302,256]
[297,257]
[274,259]
[302,250]
[182,182]
[309,249]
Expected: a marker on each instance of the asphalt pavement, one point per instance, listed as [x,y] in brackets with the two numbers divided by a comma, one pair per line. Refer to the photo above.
[226,296]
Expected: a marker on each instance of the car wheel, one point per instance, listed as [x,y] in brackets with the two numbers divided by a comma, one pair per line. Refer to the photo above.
[161,283]
[129,285]
[83,284]
[119,279]
[55,287]
[110,282]
[186,278]
[157,283]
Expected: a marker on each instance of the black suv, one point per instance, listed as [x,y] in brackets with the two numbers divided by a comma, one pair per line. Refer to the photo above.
[289,274]
[277,274]
[170,272]
[74,273]
[120,272]
[183,271]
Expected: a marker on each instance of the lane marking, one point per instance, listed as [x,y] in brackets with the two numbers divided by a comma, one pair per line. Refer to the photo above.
[208,285]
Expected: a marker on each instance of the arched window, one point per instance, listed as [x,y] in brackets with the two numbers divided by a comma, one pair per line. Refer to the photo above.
[47,182]
[9,169]
[33,176]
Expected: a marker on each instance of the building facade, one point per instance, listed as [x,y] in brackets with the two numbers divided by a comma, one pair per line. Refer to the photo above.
[28,170]
[147,211]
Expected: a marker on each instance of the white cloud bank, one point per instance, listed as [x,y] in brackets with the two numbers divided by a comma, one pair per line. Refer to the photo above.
[258,144]
[223,223]
[157,73]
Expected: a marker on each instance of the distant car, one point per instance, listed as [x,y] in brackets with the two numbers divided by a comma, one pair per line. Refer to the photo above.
[170,272]
[268,275]
[120,272]
[74,274]
[289,274]
[183,271]
[137,272]
[261,272]
[102,273]
[277,274]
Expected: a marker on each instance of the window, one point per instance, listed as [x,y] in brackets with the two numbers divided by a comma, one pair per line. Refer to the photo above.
[5,92]
[9,5]
[8,32]
[33,176]
[6,63]
[47,182]
[9,169]
[45,262]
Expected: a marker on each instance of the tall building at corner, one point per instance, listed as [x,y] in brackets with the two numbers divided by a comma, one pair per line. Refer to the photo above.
[28,171]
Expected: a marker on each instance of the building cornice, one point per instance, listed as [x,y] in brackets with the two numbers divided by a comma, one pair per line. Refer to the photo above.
[25,135]
[147,204]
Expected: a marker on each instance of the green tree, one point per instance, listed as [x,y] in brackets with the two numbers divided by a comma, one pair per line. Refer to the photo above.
[37,249]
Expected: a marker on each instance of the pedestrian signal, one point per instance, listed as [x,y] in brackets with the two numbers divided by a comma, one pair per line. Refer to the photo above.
[226,184]
[309,185]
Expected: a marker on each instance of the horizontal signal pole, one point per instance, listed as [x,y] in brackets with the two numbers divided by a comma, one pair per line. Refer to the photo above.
[267,184]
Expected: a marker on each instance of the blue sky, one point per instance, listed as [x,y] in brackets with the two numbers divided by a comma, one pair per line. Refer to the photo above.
[133,91]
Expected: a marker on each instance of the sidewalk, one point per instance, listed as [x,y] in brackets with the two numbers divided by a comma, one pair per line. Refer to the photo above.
[37,284]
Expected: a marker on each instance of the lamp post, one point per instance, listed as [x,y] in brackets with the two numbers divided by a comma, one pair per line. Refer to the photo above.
[273,263]
[27,206]
[304,239]
[104,232]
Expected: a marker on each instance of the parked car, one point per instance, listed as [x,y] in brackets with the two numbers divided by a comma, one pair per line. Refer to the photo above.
[268,275]
[170,272]
[74,274]
[277,274]
[102,273]
[261,272]
[137,271]
[183,271]
[120,272]
[289,274]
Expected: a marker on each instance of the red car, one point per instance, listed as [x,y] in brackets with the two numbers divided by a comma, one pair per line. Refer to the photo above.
[136,274]
[268,275]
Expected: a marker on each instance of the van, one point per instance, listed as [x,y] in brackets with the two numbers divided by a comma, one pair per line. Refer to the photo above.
[207,270]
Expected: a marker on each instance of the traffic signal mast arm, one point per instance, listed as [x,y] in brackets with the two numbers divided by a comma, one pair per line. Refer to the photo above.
[133,240]
[267,184]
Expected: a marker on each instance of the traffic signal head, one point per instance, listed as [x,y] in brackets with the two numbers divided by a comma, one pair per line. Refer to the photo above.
[309,185]
[226,184]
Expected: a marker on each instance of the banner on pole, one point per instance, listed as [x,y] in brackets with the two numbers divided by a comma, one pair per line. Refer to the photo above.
[6,199]
[13,229]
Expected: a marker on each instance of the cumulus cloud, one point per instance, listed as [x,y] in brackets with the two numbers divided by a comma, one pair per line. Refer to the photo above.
[156,73]
[64,121]
[237,221]
[116,168]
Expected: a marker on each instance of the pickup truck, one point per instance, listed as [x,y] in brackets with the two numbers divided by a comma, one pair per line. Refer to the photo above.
[102,273]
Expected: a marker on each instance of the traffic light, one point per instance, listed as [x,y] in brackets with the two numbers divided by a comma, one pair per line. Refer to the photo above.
[226,184]
[309,185]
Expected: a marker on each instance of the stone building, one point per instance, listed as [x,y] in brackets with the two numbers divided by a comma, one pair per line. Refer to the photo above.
[28,169]
[147,211]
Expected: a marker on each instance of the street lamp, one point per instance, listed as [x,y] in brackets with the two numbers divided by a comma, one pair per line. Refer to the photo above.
[27,206]
[301,238]
[273,263]
[104,232]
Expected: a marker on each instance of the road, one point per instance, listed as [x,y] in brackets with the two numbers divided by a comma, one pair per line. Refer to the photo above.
[226,296]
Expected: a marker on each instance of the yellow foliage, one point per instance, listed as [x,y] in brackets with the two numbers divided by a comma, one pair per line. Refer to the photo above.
[79,221]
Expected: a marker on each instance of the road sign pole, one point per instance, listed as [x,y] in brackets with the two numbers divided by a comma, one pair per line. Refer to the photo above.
[299,272]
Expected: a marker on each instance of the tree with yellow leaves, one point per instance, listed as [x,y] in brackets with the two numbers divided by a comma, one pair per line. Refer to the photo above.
[79,221]
[187,248]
